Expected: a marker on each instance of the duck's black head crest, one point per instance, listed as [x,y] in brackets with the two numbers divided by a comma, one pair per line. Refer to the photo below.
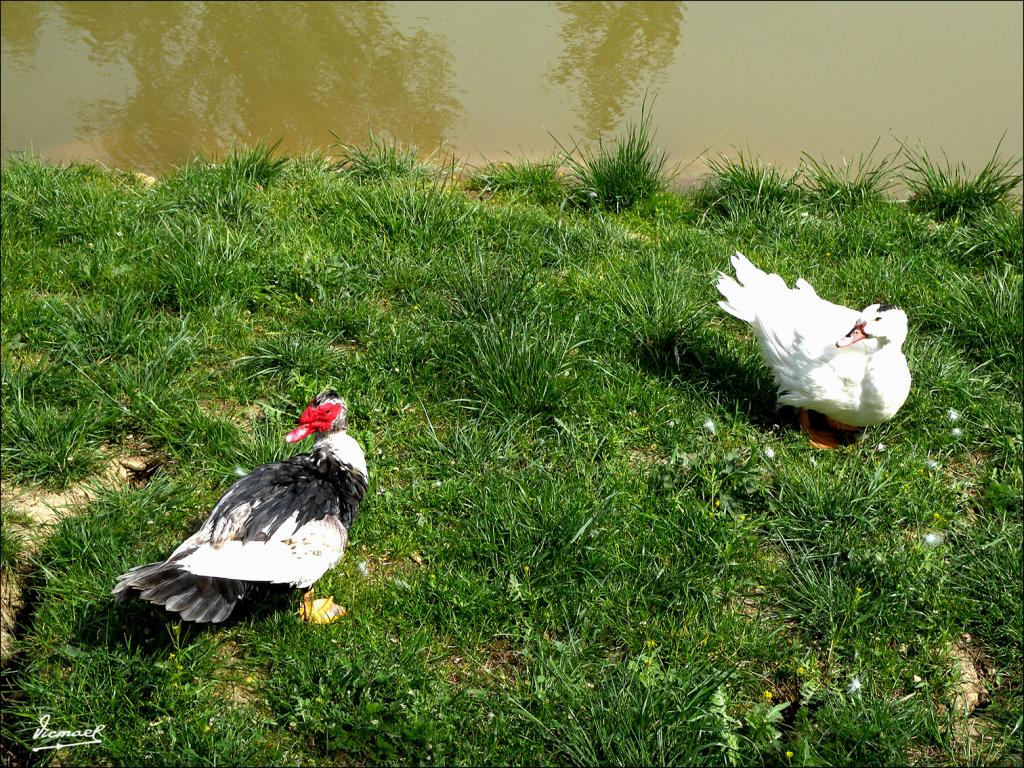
[886,307]
[323,397]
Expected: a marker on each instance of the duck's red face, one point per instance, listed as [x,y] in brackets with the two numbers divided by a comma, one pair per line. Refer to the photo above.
[316,419]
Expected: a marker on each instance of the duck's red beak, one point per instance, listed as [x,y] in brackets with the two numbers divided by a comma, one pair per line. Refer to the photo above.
[856,334]
[301,432]
[307,425]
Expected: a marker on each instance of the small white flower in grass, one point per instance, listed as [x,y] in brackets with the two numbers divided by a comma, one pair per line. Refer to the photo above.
[363,568]
[932,464]
[953,414]
[769,453]
[592,194]
[933,539]
[709,427]
[880,447]
[814,462]
[854,687]
[956,432]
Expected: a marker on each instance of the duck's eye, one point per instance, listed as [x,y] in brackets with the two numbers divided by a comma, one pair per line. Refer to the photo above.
[878,318]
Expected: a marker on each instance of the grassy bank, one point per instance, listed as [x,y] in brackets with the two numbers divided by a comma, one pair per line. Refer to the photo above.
[588,537]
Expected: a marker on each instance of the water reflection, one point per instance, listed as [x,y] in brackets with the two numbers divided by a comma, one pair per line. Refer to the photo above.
[612,52]
[207,75]
[147,84]
[20,30]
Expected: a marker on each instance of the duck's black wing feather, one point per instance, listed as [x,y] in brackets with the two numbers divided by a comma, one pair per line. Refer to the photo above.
[296,491]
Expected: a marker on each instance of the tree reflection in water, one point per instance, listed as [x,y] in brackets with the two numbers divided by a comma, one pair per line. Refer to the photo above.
[612,52]
[208,75]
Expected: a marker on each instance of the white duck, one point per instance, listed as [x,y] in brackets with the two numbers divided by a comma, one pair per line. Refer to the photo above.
[284,523]
[847,365]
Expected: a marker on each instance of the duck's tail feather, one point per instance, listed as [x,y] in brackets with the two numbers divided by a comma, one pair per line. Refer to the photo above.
[733,293]
[202,599]
[742,294]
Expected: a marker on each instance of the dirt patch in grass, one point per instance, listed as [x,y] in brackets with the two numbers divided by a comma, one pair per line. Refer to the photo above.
[646,456]
[503,661]
[963,473]
[11,603]
[752,608]
[243,417]
[33,511]
[499,664]
[231,681]
[378,569]
[971,691]
[30,514]
[967,466]
[23,357]
[372,566]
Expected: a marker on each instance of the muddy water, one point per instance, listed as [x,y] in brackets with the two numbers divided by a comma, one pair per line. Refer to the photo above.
[146,85]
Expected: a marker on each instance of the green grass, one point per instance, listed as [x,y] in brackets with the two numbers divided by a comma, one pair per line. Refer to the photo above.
[256,166]
[588,537]
[521,366]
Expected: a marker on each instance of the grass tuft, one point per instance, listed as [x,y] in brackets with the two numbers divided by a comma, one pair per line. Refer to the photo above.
[854,184]
[537,182]
[949,191]
[994,236]
[523,366]
[485,289]
[739,187]
[50,445]
[380,159]
[256,166]
[620,174]
[988,311]
[652,307]
[289,357]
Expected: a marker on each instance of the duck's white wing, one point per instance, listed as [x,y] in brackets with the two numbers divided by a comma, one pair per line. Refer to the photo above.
[799,329]
[296,556]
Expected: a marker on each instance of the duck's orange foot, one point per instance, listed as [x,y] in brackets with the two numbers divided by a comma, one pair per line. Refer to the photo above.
[825,432]
[323,610]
